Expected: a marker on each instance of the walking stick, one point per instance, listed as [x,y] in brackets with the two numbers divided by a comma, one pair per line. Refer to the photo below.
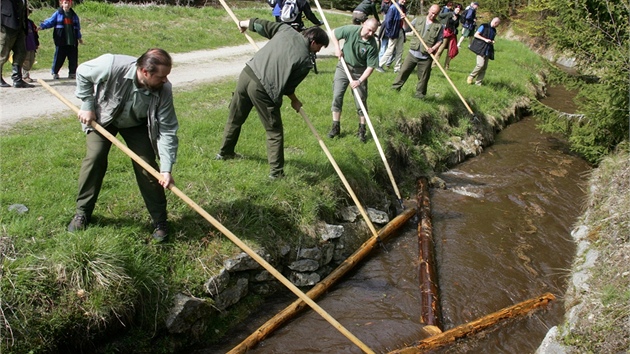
[364,109]
[215,223]
[437,62]
[229,11]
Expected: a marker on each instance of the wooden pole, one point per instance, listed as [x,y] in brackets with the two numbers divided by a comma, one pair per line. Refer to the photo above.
[467,329]
[322,287]
[229,11]
[431,311]
[366,218]
[365,112]
[434,59]
[218,225]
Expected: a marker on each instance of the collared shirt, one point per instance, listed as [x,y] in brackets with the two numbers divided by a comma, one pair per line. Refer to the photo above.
[357,52]
[108,86]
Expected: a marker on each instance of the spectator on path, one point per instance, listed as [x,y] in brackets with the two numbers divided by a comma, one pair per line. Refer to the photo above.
[304,10]
[393,28]
[483,46]
[275,71]
[13,39]
[363,10]
[385,5]
[67,36]
[450,37]
[431,31]
[360,52]
[469,22]
[133,97]
[32,43]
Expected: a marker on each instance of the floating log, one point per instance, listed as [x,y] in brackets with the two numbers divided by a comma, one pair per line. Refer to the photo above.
[431,313]
[290,311]
[469,328]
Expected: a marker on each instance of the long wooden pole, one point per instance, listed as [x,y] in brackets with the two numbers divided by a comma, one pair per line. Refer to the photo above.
[218,225]
[341,176]
[435,60]
[322,287]
[365,112]
[469,328]
[430,311]
[229,11]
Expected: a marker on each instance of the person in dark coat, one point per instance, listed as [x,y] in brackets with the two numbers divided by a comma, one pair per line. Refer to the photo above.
[13,39]
[483,46]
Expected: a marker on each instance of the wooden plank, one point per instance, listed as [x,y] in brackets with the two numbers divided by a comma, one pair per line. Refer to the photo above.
[469,328]
[431,313]
[293,309]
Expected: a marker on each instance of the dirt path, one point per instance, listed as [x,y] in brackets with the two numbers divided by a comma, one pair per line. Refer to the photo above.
[189,69]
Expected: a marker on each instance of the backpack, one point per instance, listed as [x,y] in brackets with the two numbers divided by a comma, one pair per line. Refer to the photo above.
[290,11]
[462,16]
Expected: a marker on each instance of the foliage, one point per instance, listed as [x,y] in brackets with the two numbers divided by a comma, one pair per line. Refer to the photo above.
[596,33]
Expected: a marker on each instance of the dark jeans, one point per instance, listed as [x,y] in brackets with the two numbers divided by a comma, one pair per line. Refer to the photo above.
[61,53]
[424,73]
[94,167]
[251,94]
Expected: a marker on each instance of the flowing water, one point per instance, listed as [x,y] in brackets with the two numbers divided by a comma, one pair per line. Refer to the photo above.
[502,236]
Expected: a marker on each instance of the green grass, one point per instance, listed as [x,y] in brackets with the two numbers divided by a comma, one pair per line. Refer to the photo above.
[72,287]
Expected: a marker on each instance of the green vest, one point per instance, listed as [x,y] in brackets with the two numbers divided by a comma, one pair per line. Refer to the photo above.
[429,36]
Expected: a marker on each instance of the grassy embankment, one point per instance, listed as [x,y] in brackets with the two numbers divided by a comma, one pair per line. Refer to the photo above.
[63,288]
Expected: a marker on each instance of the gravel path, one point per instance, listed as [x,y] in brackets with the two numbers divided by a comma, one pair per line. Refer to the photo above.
[189,69]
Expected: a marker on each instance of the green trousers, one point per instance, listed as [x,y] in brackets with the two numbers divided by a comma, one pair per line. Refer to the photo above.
[424,73]
[251,94]
[94,167]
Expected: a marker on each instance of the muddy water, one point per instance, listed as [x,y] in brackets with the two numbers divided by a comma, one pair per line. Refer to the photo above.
[501,230]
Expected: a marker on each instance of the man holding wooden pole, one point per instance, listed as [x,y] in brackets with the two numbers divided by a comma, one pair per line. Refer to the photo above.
[133,97]
[274,71]
[360,51]
[431,31]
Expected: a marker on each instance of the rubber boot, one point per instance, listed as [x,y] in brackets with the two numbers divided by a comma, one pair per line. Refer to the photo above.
[335,130]
[361,133]
[2,82]
[16,76]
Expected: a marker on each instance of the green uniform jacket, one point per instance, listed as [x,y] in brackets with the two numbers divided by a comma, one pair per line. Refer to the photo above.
[430,36]
[283,62]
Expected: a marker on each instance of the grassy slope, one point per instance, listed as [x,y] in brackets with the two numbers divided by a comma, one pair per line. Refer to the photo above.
[62,285]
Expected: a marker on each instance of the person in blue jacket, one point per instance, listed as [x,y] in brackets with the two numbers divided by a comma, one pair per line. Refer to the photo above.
[67,36]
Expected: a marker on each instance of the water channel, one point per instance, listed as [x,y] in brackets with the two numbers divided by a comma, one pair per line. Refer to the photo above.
[502,236]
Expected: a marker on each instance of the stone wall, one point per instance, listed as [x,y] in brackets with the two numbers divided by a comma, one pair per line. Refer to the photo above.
[242,275]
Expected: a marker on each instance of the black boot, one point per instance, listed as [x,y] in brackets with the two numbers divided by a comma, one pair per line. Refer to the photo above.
[361,133]
[16,75]
[335,130]
[2,82]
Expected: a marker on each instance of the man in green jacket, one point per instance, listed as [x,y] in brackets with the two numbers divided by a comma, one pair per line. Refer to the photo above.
[133,97]
[431,31]
[274,71]
[360,52]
